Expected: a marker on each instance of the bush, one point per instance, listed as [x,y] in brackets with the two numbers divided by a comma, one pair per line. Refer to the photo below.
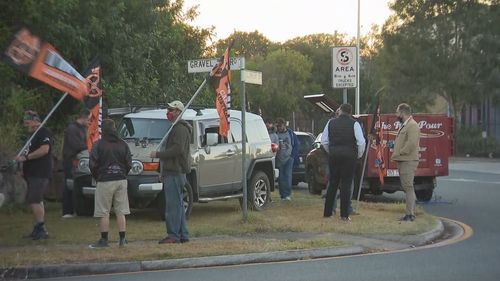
[470,142]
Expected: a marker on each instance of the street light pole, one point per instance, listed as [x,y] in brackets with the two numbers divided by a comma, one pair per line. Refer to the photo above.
[357,63]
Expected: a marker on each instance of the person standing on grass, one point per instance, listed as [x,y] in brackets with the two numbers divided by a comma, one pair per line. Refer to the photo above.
[285,157]
[75,141]
[175,162]
[406,156]
[346,144]
[110,161]
[37,171]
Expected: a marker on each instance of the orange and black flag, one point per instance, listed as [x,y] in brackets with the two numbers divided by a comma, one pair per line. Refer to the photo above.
[377,131]
[93,102]
[37,58]
[219,80]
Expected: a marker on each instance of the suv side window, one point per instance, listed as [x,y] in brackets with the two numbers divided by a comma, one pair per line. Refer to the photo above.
[212,126]
[235,126]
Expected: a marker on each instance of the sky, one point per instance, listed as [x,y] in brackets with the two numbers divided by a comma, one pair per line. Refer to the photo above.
[281,20]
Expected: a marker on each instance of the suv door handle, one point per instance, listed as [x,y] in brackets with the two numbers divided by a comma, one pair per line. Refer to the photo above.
[230,153]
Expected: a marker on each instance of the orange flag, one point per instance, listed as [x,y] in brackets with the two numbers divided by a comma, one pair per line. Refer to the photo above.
[219,80]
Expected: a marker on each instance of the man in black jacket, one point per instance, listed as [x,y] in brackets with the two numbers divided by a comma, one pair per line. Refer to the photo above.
[37,171]
[175,158]
[110,162]
[346,143]
[75,141]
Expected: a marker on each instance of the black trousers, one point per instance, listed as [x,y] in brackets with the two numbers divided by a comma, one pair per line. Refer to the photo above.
[341,166]
[67,194]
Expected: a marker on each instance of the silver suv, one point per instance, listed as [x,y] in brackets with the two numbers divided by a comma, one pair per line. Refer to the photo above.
[216,171]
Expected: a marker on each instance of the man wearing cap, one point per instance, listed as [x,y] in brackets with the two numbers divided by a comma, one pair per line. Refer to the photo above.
[37,171]
[110,161]
[175,160]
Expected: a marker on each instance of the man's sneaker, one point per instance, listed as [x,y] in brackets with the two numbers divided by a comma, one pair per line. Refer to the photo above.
[68,216]
[407,218]
[41,234]
[102,243]
[184,240]
[345,219]
[122,242]
[288,198]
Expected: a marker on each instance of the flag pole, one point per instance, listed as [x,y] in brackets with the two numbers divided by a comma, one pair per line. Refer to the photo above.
[41,125]
[182,112]
[362,174]
[367,146]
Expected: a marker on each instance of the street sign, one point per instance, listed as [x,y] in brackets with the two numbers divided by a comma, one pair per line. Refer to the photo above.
[251,77]
[344,61]
[206,65]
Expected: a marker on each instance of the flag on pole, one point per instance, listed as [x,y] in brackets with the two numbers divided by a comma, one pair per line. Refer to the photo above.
[30,54]
[219,80]
[93,102]
[378,131]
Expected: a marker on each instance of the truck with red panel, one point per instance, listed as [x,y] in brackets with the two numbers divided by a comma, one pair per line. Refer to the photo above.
[436,146]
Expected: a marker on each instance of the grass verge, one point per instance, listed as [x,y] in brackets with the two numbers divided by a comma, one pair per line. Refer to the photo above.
[216,228]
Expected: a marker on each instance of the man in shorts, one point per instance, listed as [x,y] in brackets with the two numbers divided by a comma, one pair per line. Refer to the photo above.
[110,162]
[37,171]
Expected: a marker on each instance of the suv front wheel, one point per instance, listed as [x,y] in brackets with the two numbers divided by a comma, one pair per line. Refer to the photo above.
[259,191]
[187,201]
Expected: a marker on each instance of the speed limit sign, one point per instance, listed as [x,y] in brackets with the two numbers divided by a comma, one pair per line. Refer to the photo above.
[344,61]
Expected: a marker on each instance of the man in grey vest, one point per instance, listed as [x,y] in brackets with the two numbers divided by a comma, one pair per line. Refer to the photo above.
[346,144]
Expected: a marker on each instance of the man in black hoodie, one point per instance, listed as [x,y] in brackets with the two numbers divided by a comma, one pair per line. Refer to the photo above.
[110,162]
[175,157]
[75,140]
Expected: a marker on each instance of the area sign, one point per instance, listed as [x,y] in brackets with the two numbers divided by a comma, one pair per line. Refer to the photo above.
[344,61]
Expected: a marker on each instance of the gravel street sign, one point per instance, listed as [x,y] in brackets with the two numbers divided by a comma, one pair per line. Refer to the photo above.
[206,65]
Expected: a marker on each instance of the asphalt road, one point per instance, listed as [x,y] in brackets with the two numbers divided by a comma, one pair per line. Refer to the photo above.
[470,195]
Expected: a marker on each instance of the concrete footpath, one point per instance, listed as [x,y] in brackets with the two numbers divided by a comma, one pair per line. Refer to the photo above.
[358,245]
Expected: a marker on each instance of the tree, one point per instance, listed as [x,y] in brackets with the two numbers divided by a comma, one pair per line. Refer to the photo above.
[431,48]
[246,44]
[285,74]
[143,48]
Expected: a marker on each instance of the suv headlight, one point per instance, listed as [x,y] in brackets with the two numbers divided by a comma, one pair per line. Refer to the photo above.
[83,166]
[137,168]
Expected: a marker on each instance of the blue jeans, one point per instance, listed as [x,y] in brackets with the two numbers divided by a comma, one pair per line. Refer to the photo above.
[175,217]
[285,178]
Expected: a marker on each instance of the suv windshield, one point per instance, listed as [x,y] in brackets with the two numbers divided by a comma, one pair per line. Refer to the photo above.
[143,128]
[305,143]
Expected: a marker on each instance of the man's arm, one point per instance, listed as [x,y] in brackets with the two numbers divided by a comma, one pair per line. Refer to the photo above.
[324,136]
[94,160]
[360,139]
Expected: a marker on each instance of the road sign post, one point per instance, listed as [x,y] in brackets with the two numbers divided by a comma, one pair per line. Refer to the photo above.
[251,77]
[247,76]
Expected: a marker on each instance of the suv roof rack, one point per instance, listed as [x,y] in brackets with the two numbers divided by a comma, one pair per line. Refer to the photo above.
[120,111]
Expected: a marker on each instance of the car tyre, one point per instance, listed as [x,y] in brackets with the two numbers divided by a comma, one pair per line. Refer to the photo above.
[259,191]
[187,201]
[312,184]
[424,195]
